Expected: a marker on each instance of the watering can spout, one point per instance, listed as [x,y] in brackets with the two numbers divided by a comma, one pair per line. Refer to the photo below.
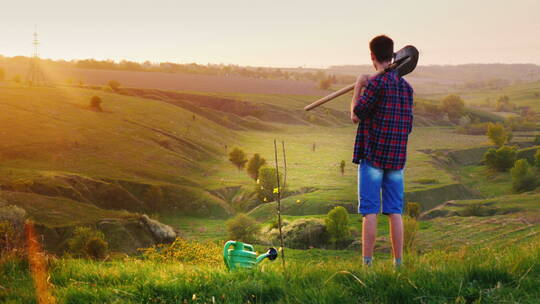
[271,254]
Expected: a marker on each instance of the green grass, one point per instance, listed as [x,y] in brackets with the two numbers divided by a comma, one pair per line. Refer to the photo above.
[485,181]
[320,169]
[485,275]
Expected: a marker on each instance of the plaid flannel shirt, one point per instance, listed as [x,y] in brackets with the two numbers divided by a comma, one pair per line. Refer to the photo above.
[386,118]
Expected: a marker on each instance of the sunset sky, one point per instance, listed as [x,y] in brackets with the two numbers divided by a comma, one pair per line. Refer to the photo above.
[272,33]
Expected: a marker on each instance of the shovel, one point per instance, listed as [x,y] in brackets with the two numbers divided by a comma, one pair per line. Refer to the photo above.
[405,61]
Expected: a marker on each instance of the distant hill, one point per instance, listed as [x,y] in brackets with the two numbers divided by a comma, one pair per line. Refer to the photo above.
[448,78]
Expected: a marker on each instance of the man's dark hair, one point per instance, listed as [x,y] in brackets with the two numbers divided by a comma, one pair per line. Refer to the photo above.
[382,47]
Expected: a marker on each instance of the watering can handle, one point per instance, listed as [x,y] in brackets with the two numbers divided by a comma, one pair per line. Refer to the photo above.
[226,252]
[248,246]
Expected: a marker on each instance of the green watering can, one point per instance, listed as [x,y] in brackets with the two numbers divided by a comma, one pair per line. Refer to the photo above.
[243,255]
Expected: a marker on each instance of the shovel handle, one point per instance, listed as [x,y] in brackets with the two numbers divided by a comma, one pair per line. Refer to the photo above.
[344,90]
[330,97]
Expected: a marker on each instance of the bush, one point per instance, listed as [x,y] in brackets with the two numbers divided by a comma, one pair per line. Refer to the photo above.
[537,159]
[342,167]
[476,209]
[187,252]
[504,104]
[426,181]
[114,85]
[473,129]
[497,134]
[95,103]
[243,228]
[11,230]
[523,176]
[97,248]
[413,209]
[254,164]
[17,78]
[266,187]
[11,239]
[238,158]
[520,124]
[275,224]
[454,106]
[325,84]
[88,243]
[501,159]
[536,140]
[410,234]
[337,224]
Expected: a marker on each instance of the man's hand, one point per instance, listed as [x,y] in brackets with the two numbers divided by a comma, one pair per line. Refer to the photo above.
[354,118]
[362,81]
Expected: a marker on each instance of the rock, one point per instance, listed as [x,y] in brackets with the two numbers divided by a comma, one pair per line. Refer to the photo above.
[162,233]
[305,233]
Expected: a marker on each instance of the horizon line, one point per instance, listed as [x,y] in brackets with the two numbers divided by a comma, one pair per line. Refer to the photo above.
[268,66]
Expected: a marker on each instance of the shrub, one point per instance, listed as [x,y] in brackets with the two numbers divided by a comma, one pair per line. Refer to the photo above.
[254,164]
[238,158]
[243,228]
[97,248]
[266,187]
[537,159]
[95,103]
[473,129]
[477,209]
[325,84]
[413,209]
[497,134]
[114,85]
[337,224]
[520,124]
[523,176]
[454,106]
[536,140]
[342,167]
[88,243]
[426,181]
[11,239]
[501,159]
[11,230]
[275,224]
[504,104]
[187,252]
[410,234]
[17,78]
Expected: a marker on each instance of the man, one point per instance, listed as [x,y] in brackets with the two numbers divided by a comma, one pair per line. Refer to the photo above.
[384,115]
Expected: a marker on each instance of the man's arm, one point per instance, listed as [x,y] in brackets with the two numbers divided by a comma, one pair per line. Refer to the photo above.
[365,101]
[361,82]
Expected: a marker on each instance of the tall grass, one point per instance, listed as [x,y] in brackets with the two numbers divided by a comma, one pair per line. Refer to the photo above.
[465,276]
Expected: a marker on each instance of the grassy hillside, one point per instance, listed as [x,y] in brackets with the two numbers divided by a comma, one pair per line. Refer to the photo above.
[524,94]
[67,164]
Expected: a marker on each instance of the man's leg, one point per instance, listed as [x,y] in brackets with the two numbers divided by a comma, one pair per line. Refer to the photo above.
[392,193]
[369,234]
[396,234]
[369,195]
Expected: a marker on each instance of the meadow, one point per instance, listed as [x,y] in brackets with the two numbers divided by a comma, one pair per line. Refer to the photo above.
[470,275]
[164,153]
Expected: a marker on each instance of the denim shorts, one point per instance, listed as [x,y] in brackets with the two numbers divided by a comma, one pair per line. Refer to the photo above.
[373,183]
